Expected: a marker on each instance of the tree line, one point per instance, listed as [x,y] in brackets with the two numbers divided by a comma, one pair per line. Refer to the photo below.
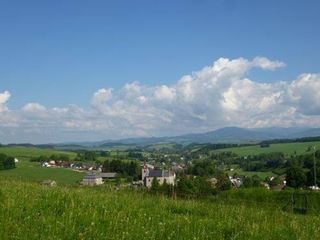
[125,168]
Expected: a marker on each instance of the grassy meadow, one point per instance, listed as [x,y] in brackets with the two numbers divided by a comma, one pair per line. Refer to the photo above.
[31,211]
[30,152]
[32,171]
[287,148]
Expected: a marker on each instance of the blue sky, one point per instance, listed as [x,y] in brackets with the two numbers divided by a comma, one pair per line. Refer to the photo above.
[57,53]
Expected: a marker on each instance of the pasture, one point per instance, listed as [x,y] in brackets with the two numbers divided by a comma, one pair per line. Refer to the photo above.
[287,148]
[29,152]
[32,171]
[31,211]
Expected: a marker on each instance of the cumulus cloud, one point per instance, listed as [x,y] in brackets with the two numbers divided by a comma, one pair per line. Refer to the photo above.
[4,98]
[304,94]
[165,93]
[101,96]
[34,108]
[267,64]
[218,95]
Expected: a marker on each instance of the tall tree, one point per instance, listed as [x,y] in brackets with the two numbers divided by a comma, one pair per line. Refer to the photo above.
[296,177]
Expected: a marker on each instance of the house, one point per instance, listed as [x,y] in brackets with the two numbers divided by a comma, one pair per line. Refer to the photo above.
[45,164]
[92,179]
[65,164]
[52,162]
[235,181]
[161,175]
[108,175]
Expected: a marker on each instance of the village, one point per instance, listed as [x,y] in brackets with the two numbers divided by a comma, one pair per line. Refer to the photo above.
[96,175]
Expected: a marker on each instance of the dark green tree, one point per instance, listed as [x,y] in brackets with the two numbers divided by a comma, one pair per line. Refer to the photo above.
[203,186]
[185,187]
[296,177]
[155,185]
[247,182]
[256,181]
[275,181]
[6,162]
[223,182]
[310,177]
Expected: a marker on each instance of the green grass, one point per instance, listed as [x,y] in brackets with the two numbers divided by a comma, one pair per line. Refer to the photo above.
[29,152]
[30,211]
[287,148]
[31,171]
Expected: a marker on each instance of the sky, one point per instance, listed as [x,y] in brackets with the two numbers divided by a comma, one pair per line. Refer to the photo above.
[95,70]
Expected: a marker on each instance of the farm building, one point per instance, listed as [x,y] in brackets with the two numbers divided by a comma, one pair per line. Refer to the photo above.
[92,179]
[161,175]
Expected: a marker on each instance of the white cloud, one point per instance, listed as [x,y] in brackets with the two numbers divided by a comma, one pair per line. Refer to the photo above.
[34,108]
[4,98]
[101,96]
[218,95]
[164,93]
[267,64]
[304,94]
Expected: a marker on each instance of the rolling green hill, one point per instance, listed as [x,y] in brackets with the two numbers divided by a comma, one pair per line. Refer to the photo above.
[29,152]
[287,148]
[30,171]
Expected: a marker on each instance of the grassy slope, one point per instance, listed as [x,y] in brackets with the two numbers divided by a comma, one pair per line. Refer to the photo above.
[26,170]
[287,148]
[23,152]
[29,211]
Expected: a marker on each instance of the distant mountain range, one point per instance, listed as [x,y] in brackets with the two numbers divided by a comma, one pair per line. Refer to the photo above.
[230,135]
[223,135]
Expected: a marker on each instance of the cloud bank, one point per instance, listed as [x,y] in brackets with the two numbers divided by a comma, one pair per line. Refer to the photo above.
[216,96]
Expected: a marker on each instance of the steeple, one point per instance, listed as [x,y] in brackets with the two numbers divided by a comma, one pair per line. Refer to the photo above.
[145,171]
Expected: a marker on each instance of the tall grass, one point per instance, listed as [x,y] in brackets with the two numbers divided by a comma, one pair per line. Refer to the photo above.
[32,211]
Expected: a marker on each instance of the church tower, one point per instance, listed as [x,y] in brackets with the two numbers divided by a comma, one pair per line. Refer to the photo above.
[145,171]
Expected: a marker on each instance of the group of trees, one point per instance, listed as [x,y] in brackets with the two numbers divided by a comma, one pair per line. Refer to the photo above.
[193,187]
[202,168]
[135,155]
[300,170]
[262,162]
[55,157]
[89,156]
[6,162]
[124,168]
[253,181]
[297,177]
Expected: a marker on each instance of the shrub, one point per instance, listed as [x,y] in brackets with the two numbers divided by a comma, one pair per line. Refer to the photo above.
[6,162]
